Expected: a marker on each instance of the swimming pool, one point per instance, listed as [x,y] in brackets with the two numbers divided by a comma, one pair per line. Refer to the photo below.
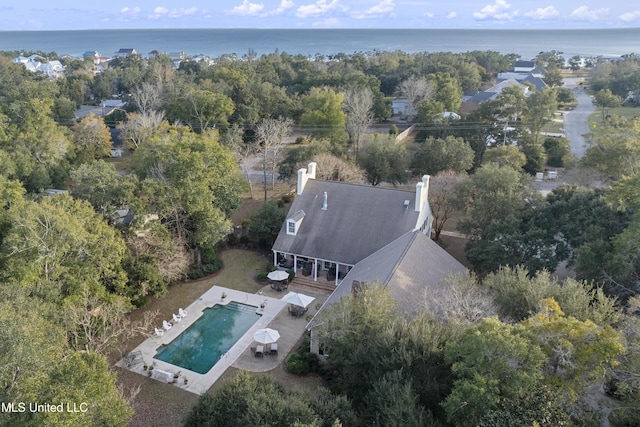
[202,344]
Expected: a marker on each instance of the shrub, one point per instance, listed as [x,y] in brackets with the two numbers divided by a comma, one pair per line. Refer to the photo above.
[287,198]
[302,363]
[206,269]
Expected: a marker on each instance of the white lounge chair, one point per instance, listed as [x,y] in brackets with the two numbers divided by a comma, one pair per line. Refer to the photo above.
[166,325]
[159,332]
[182,313]
[176,318]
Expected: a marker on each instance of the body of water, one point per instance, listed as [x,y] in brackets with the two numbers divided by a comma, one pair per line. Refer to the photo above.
[312,42]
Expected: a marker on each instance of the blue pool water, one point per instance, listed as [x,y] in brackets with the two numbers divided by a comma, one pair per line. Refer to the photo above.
[200,346]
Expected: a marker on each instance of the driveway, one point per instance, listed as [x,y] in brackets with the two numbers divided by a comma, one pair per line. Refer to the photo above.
[576,122]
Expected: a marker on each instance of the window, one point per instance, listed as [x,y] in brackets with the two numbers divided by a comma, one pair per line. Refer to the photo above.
[291,227]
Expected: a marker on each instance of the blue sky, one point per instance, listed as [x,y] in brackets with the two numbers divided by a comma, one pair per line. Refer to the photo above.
[538,14]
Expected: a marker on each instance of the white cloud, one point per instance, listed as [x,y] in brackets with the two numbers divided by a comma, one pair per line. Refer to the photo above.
[583,13]
[429,15]
[247,9]
[384,8]
[161,11]
[451,15]
[316,9]
[494,11]
[130,11]
[543,13]
[284,5]
[630,16]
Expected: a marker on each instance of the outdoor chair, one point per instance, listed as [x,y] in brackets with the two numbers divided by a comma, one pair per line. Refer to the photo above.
[159,332]
[274,349]
[176,318]
[260,351]
[166,325]
[182,313]
[133,359]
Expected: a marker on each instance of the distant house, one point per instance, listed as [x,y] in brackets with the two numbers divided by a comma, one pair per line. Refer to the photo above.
[154,54]
[333,225]
[53,69]
[472,103]
[36,63]
[123,53]
[54,192]
[523,66]
[525,71]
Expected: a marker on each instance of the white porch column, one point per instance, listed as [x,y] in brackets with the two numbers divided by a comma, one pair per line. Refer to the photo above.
[275,258]
[315,270]
[337,270]
[295,263]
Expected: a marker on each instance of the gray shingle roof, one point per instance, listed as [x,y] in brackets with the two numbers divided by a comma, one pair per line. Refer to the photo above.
[410,266]
[359,220]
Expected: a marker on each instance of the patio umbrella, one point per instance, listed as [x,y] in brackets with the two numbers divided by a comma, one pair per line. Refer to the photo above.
[266,336]
[278,275]
[295,298]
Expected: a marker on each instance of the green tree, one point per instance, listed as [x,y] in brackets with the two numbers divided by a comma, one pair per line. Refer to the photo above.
[323,115]
[540,108]
[579,353]
[92,139]
[201,109]
[101,185]
[491,361]
[249,400]
[616,150]
[494,192]
[447,90]
[505,155]
[266,223]
[605,100]
[384,161]
[436,155]
[396,403]
[518,293]
[191,182]
[58,246]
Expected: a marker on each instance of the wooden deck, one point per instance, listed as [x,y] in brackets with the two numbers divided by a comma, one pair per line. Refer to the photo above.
[322,285]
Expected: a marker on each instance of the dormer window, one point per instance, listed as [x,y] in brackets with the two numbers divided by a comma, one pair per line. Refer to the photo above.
[293,223]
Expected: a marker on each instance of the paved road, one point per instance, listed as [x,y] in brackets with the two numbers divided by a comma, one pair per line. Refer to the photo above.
[576,122]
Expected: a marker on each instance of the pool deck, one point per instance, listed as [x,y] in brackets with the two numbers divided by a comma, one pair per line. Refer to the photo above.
[274,315]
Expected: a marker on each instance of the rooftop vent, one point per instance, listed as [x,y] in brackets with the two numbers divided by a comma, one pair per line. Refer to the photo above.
[406,203]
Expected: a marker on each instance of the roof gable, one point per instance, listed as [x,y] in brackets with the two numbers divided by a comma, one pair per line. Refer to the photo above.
[358,221]
[410,266]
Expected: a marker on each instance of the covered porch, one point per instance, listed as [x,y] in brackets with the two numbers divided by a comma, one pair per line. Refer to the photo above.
[313,268]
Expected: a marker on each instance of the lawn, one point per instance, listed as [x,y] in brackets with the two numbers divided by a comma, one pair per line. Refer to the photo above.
[239,271]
